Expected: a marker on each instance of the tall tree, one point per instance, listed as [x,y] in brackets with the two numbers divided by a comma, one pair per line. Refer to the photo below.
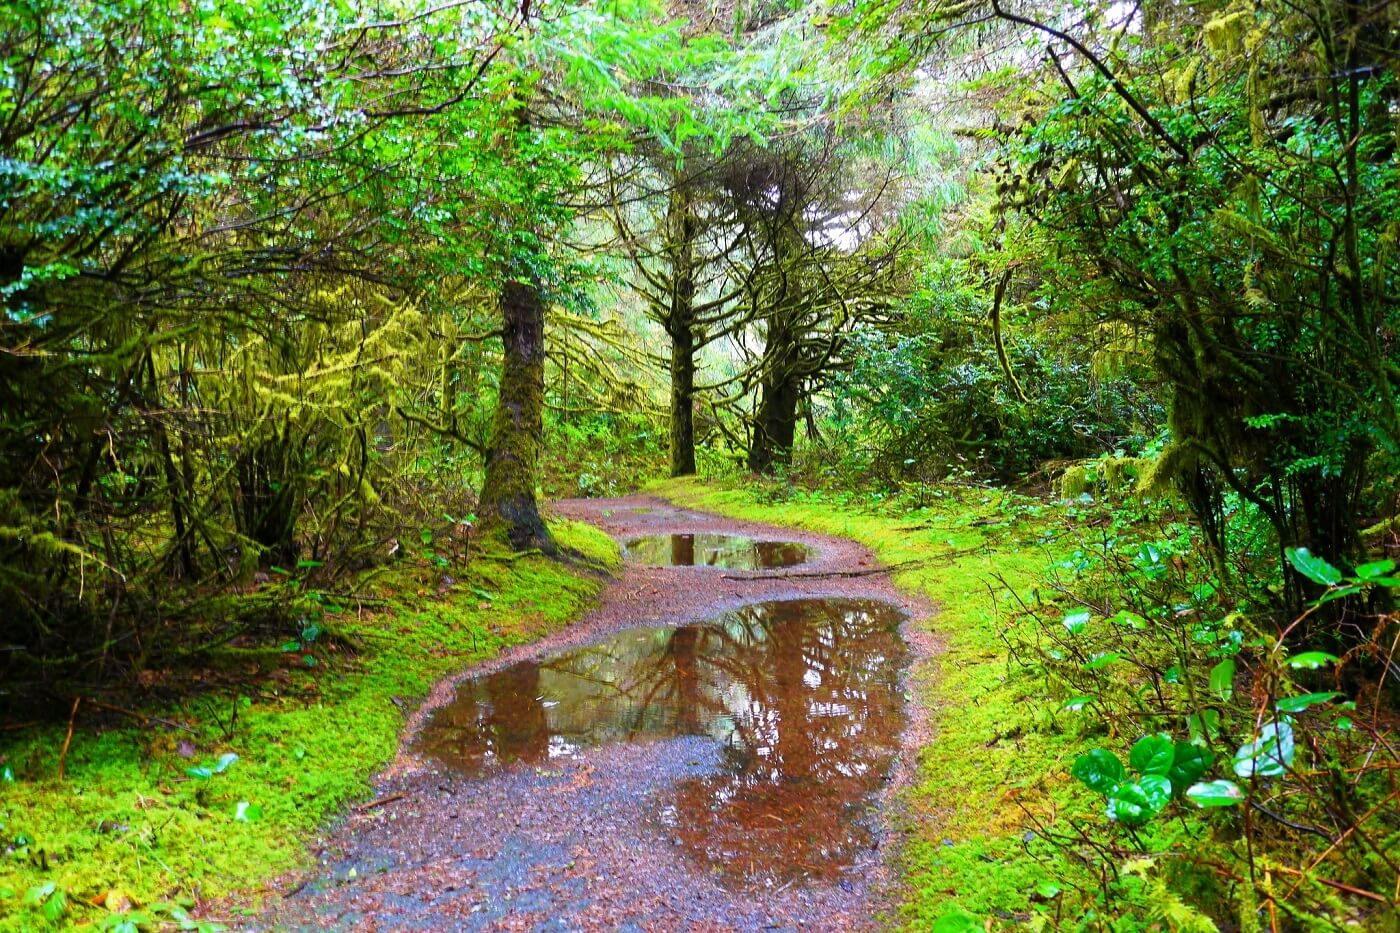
[820,231]
[680,230]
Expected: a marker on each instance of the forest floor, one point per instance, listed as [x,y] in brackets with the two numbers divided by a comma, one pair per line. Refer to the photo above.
[578,844]
[134,827]
[207,778]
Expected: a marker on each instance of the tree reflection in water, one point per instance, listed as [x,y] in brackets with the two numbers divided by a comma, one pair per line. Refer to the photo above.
[712,550]
[803,694]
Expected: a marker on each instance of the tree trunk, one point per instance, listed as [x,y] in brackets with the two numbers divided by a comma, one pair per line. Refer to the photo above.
[775,423]
[512,463]
[683,402]
[681,326]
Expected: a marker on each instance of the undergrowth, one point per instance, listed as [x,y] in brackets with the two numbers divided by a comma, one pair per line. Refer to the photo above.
[1081,635]
[167,807]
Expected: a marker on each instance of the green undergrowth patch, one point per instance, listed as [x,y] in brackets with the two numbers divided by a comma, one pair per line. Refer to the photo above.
[221,797]
[998,763]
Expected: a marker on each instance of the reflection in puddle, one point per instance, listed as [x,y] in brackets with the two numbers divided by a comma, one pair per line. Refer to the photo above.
[803,697]
[700,550]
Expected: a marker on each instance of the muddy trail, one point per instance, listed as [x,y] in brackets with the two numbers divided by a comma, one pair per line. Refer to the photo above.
[716,746]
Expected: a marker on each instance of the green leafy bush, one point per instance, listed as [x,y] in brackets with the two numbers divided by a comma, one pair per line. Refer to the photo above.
[1245,762]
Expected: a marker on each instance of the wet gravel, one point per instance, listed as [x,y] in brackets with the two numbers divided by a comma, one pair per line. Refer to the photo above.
[576,844]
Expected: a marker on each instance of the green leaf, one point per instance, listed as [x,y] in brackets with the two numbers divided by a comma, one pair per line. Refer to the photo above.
[246,812]
[425,536]
[1158,791]
[1215,794]
[1222,679]
[1132,804]
[1076,703]
[1099,769]
[55,907]
[1152,754]
[1101,660]
[1375,569]
[200,772]
[39,893]
[1313,567]
[1300,703]
[1129,620]
[1311,660]
[226,759]
[7,774]
[1341,592]
[1189,762]
[956,922]
[1047,890]
[291,646]
[1074,622]
[1268,755]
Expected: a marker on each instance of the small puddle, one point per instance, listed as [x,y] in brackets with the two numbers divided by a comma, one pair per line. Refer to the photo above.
[706,550]
[802,698]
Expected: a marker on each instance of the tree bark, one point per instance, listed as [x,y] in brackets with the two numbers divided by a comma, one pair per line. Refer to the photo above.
[683,402]
[681,327]
[775,422]
[512,462]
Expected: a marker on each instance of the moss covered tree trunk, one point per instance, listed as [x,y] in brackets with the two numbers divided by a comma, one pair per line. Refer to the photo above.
[780,382]
[775,422]
[683,402]
[681,328]
[512,462]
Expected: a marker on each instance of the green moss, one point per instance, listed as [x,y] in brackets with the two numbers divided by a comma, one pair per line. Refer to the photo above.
[999,756]
[128,818]
[1075,481]
[591,545]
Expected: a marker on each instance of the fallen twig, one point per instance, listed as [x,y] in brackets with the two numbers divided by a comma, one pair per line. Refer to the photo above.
[68,739]
[1359,892]
[355,597]
[137,715]
[379,802]
[813,574]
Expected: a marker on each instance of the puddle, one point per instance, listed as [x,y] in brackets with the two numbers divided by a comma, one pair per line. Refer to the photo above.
[708,550]
[800,697]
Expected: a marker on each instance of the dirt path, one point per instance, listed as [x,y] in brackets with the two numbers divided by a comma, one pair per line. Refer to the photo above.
[574,845]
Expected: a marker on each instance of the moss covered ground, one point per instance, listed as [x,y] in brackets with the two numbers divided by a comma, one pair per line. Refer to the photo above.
[313,719]
[998,764]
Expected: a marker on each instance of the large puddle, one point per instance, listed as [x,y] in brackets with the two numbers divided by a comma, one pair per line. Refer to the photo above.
[700,550]
[802,698]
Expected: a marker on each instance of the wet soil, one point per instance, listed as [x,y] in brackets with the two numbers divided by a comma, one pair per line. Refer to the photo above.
[685,816]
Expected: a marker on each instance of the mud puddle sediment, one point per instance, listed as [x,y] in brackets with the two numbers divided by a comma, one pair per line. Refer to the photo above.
[705,750]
